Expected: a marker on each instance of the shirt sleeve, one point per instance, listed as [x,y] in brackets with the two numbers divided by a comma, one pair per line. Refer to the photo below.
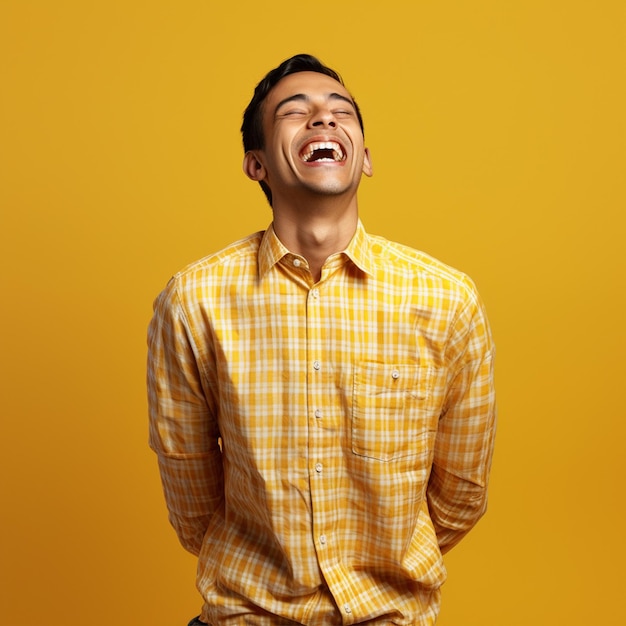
[183,426]
[457,490]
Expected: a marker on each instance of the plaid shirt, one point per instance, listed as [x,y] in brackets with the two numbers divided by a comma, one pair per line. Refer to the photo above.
[321,445]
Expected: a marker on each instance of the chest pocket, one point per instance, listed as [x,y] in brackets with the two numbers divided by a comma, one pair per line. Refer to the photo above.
[394,413]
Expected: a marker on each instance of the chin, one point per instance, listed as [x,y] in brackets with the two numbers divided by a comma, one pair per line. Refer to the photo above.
[330,188]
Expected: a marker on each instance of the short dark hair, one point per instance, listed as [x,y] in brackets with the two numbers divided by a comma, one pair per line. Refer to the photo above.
[252,126]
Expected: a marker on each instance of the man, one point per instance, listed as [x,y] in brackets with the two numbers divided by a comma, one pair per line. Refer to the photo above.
[321,399]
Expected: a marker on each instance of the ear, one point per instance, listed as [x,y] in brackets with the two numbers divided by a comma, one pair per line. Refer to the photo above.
[367,163]
[253,167]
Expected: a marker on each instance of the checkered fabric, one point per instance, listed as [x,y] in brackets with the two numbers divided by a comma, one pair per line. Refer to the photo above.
[321,445]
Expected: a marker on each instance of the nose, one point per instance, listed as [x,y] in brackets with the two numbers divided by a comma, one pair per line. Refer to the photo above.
[323,118]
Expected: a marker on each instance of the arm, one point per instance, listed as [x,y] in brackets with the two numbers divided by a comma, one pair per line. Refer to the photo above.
[183,429]
[457,490]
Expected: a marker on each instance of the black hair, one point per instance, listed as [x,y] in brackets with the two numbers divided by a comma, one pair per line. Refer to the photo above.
[252,126]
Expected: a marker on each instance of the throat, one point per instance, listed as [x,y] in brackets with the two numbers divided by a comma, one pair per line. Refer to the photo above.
[316,240]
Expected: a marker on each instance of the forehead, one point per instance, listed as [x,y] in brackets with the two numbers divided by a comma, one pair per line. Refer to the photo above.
[311,84]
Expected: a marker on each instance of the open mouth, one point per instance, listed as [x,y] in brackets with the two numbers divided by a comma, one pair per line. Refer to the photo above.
[322,151]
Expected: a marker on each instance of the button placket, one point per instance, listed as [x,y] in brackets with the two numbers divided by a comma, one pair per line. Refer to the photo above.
[320,471]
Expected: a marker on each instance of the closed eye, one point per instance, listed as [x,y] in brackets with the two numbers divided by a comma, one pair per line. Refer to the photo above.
[292,112]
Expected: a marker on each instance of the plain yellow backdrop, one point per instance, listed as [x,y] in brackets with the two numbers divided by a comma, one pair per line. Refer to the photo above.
[498,138]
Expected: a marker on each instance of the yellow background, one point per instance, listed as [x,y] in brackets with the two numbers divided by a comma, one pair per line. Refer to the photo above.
[497,133]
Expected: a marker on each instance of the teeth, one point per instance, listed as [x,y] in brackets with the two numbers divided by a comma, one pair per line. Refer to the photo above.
[323,145]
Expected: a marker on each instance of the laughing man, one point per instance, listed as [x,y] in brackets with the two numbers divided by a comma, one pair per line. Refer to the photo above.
[321,399]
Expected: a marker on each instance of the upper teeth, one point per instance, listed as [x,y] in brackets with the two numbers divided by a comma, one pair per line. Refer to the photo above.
[323,145]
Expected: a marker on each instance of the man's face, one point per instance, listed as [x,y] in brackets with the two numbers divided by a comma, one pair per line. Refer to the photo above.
[313,139]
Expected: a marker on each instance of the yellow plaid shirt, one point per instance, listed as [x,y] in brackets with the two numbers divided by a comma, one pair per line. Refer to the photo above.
[321,444]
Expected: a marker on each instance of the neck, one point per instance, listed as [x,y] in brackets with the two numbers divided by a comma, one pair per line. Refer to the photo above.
[315,233]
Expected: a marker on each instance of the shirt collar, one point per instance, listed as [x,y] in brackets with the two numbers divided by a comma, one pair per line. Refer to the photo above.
[359,250]
[272,250]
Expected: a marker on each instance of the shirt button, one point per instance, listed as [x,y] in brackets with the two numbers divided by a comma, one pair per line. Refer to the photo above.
[317,365]
[315,294]
[323,539]
[297,262]
[318,468]
[318,413]
[395,374]
[347,609]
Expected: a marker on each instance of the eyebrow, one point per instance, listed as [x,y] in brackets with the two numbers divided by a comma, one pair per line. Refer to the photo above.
[301,97]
